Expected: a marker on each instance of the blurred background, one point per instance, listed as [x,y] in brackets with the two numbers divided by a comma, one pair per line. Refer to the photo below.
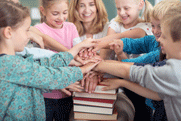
[35,15]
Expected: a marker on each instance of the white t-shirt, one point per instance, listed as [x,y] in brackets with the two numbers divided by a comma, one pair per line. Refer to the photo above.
[95,36]
[119,28]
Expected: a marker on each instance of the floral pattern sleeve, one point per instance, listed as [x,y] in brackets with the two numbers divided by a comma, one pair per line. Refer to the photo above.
[50,75]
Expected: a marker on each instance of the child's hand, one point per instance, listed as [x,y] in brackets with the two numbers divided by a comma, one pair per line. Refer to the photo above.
[91,80]
[74,87]
[37,39]
[117,46]
[112,83]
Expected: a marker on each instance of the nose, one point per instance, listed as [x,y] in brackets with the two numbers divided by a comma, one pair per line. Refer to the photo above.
[87,9]
[122,12]
[159,39]
[60,17]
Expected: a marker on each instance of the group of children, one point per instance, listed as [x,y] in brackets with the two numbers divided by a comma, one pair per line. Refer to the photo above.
[36,87]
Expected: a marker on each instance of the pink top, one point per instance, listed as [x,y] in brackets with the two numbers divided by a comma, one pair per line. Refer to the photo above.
[65,36]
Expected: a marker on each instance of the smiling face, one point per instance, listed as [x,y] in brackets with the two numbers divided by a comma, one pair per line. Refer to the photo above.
[20,36]
[168,46]
[87,10]
[128,11]
[156,29]
[56,14]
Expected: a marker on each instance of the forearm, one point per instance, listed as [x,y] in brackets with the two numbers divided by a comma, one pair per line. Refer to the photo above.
[53,44]
[145,92]
[49,42]
[115,68]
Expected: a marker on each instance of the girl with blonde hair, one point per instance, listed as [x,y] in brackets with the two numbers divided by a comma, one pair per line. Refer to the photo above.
[128,24]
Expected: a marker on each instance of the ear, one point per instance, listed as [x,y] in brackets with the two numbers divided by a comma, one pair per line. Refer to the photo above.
[141,4]
[7,32]
[42,10]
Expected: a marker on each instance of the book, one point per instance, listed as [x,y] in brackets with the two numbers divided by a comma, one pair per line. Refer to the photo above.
[94,102]
[95,95]
[93,109]
[90,116]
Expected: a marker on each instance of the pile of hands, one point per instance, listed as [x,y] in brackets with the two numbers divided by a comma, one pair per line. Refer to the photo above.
[87,59]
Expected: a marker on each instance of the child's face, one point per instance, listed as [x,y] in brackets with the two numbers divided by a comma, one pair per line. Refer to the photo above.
[87,10]
[156,29]
[16,1]
[57,14]
[128,11]
[21,35]
[168,46]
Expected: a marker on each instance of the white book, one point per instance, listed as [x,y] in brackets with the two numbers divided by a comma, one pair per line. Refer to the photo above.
[94,102]
[93,109]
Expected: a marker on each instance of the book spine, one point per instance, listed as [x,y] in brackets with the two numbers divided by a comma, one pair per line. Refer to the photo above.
[92,109]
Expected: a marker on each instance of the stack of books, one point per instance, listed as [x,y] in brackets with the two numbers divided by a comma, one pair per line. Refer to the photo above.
[98,105]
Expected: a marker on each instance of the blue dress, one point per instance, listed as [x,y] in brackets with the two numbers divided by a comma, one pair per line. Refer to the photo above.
[22,81]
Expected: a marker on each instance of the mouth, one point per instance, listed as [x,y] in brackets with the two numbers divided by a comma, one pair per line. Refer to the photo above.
[87,15]
[124,18]
[59,22]
[157,36]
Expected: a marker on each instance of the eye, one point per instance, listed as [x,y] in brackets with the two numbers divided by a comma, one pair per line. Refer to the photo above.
[82,5]
[152,26]
[126,8]
[118,9]
[92,4]
[54,14]
[65,12]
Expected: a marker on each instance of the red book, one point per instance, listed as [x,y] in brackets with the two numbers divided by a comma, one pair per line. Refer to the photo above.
[94,102]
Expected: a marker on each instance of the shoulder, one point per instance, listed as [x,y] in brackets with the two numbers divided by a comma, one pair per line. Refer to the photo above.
[40,25]
[146,27]
[69,24]
[116,26]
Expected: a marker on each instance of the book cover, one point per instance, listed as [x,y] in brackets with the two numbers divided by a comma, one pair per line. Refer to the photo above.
[93,109]
[90,116]
[95,95]
[94,102]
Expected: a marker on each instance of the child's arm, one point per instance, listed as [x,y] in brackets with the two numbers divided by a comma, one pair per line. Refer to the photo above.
[50,42]
[116,83]
[29,73]
[111,35]
[37,39]
[88,43]
[120,69]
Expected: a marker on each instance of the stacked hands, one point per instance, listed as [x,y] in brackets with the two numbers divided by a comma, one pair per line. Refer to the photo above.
[87,59]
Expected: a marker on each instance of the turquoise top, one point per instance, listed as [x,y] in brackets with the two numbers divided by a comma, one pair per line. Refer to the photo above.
[147,45]
[22,80]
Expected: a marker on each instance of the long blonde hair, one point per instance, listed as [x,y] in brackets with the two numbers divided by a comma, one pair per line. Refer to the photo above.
[47,4]
[145,17]
[162,7]
[98,23]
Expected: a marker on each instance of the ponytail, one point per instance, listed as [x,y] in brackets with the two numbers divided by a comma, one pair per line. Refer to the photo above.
[147,11]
